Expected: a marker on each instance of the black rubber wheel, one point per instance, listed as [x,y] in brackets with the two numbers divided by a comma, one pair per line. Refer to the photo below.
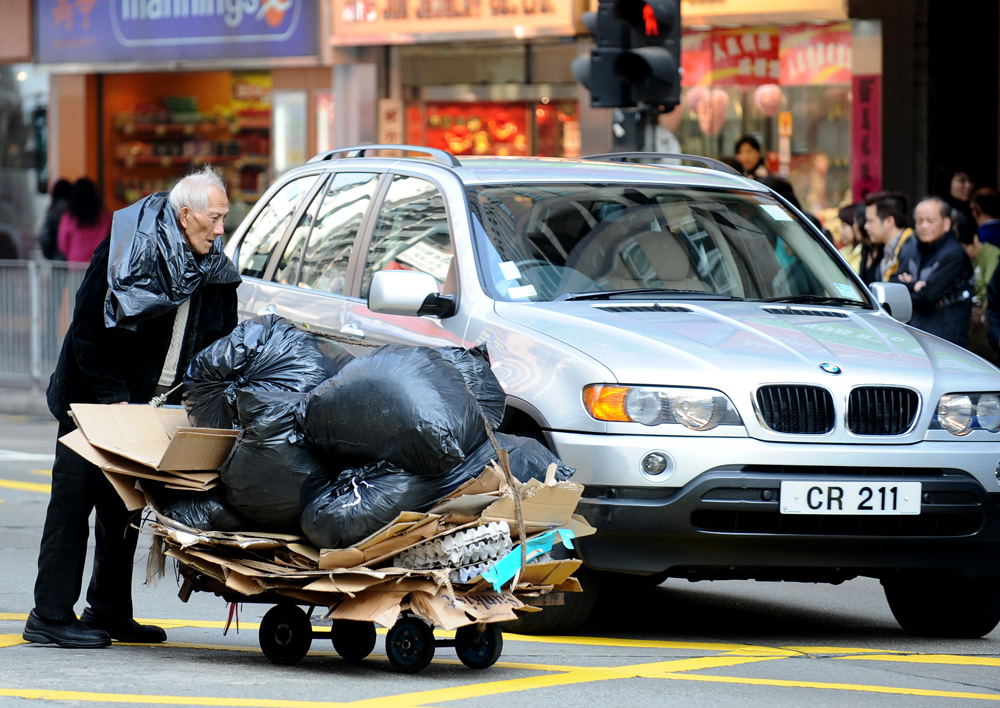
[410,645]
[353,640]
[479,646]
[566,618]
[285,634]
[944,606]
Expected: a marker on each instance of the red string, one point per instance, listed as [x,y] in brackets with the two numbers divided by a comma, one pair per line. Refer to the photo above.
[234,611]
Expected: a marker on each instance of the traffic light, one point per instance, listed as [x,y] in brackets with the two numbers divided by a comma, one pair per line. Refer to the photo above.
[597,71]
[637,59]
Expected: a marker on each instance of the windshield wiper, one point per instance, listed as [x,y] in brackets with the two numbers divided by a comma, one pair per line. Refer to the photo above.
[818,300]
[646,293]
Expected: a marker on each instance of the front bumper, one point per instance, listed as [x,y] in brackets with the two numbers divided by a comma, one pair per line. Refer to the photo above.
[725,522]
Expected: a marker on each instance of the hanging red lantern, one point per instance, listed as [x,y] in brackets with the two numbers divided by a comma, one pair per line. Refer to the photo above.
[767,98]
[712,112]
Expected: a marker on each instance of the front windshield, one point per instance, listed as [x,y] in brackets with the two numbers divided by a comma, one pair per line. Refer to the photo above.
[542,242]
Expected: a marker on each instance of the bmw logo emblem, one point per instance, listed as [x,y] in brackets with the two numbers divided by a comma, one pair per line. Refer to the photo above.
[831,368]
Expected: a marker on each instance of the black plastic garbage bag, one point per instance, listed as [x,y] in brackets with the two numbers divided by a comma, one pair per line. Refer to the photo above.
[360,501]
[474,366]
[529,459]
[203,511]
[264,474]
[405,405]
[266,353]
[151,269]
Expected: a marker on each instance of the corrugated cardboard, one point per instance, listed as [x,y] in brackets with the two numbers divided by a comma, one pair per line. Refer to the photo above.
[154,437]
[543,506]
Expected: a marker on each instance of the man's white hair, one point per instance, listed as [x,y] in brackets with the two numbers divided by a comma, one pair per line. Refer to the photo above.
[192,191]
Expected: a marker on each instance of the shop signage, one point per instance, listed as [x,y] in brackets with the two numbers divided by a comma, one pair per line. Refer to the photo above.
[715,12]
[97,31]
[744,56]
[816,54]
[358,22]
[753,56]
[866,135]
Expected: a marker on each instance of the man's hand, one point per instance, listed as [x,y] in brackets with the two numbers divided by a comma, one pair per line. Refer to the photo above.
[905,278]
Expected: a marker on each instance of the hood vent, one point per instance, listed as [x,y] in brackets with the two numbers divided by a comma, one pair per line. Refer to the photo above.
[655,307]
[802,312]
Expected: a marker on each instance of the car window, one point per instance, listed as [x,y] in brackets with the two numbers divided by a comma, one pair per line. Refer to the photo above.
[411,232]
[335,227]
[539,242]
[267,229]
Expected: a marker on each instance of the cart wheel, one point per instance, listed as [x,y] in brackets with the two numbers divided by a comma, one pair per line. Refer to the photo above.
[410,645]
[285,634]
[353,640]
[479,646]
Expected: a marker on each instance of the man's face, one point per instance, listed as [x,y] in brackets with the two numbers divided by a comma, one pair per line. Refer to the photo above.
[747,157]
[201,230]
[878,229]
[930,225]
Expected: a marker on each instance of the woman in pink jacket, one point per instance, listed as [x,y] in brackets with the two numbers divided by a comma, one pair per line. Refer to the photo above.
[85,224]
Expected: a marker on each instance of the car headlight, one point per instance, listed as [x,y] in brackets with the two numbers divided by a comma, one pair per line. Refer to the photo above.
[961,413]
[694,408]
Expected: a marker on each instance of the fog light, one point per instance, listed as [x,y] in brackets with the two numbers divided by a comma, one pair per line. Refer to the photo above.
[996,472]
[654,463]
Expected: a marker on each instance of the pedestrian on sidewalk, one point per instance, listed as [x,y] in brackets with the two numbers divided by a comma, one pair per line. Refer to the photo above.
[156,292]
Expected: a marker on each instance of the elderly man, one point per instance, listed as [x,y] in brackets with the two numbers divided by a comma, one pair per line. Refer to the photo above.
[938,273]
[157,291]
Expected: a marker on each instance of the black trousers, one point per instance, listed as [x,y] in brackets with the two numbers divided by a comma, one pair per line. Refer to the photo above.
[78,487]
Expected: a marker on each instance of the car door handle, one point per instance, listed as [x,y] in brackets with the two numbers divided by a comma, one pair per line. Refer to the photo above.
[353,329]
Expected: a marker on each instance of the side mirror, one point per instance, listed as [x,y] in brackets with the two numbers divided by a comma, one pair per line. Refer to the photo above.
[408,292]
[895,297]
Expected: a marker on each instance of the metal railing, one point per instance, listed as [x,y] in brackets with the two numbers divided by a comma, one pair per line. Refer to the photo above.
[36,306]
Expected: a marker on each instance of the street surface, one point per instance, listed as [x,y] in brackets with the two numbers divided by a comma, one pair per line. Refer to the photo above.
[681,644]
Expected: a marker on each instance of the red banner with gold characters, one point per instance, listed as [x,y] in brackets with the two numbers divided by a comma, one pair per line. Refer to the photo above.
[744,56]
[816,54]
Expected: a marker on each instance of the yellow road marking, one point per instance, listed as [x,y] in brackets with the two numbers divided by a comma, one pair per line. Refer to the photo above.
[932,659]
[26,486]
[93,697]
[43,473]
[863,688]
[9,640]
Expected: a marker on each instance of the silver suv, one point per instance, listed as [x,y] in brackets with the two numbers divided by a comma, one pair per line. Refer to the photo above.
[735,400]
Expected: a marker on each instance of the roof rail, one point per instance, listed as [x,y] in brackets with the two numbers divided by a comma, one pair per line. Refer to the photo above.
[442,156]
[629,156]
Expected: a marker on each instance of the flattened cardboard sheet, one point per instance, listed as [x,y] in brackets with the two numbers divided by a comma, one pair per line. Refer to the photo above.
[154,437]
[382,608]
[543,506]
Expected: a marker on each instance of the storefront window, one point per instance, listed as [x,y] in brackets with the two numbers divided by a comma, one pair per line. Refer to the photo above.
[790,87]
[492,100]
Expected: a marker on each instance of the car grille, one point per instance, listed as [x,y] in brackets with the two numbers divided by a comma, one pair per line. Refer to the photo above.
[881,411]
[802,410]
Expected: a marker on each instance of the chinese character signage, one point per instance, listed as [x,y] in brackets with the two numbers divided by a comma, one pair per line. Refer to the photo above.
[358,22]
[866,135]
[752,56]
[745,56]
[816,54]
[94,31]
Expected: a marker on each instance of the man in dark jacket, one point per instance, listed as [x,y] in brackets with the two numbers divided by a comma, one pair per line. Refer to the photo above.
[938,273]
[157,291]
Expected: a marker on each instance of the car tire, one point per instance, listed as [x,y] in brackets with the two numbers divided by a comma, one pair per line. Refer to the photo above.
[944,606]
[566,618]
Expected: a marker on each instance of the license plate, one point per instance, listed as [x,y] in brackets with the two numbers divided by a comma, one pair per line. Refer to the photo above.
[877,498]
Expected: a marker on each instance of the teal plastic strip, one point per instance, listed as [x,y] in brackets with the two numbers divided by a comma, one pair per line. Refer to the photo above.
[508,566]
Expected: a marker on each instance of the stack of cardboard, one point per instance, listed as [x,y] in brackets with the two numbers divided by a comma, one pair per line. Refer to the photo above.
[136,443]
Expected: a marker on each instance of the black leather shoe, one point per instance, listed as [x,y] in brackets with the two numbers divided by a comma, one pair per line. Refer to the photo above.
[72,635]
[125,630]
